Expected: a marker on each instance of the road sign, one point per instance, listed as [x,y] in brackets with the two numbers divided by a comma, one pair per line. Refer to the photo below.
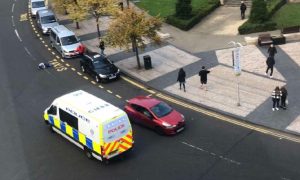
[236,61]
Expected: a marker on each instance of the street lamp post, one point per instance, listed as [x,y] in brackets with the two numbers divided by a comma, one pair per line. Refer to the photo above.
[237,66]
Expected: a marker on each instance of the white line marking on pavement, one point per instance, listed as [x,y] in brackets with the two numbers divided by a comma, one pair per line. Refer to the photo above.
[211,153]
[149,95]
[29,54]
[13,7]
[12,21]
[18,35]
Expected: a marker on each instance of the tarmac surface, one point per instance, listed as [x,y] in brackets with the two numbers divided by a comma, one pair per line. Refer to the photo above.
[207,45]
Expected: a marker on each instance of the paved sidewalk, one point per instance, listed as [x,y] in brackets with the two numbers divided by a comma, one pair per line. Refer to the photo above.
[185,49]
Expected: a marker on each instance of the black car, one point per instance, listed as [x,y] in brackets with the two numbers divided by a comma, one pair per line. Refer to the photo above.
[99,67]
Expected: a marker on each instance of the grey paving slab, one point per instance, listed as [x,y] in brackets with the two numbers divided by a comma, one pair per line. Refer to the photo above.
[164,60]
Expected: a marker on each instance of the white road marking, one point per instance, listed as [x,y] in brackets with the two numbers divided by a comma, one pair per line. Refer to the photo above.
[17,34]
[13,21]
[27,51]
[211,153]
[13,7]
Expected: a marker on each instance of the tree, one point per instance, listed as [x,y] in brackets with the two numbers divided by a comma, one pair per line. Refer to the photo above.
[259,12]
[98,8]
[129,27]
[60,6]
[183,8]
[76,12]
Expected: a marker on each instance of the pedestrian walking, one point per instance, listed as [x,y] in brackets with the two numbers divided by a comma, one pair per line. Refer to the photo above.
[101,46]
[272,50]
[270,65]
[283,98]
[203,77]
[276,95]
[181,78]
[243,8]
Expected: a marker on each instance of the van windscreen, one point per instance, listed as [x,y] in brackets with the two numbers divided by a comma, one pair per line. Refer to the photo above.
[38,4]
[48,19]
[116,129]
[69,40]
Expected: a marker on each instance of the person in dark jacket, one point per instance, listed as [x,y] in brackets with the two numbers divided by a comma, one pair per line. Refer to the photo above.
[272,50]
[181,78]
[270,64]
[284,94]
[203,77]
[243,8]
[101,46]
[276,94]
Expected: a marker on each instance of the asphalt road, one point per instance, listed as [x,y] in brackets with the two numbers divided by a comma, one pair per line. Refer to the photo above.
[207,149]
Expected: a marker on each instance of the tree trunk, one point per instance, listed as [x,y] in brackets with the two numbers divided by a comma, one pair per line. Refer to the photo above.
[137,53]
[98,29]
[77,25]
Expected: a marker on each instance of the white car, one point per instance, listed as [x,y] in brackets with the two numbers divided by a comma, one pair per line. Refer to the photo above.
[37,5]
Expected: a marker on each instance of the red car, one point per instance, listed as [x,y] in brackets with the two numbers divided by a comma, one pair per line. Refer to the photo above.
[155,114]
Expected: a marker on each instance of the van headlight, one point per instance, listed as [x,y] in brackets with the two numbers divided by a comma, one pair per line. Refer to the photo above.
[167,125]
[45,30]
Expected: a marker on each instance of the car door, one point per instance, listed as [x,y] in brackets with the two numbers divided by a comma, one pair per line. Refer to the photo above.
[142,116]
[91,68]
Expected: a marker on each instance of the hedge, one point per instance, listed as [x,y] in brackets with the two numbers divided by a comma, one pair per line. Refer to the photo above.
[197,15]
[252,27]
[274,6]
[249,27]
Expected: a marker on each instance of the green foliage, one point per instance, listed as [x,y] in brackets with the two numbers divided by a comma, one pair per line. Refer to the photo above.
[186,24]
[273,6]
[249,27]
[259,13]
[288,15]
[183,9]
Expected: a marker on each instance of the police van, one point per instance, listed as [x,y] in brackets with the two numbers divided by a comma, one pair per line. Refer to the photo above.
[102,130]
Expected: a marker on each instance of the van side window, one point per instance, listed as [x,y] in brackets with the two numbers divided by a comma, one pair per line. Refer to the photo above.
[68,118]
[52,110]
[57,40]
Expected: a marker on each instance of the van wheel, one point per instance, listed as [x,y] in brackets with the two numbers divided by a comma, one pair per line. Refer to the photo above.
[158,130]
[98,80]
[88,153]
[83,69]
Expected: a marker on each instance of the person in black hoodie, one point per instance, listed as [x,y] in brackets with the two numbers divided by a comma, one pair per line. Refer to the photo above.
[284,95]
[181,78]
[270,64]
[243,8]
[203,77]
[272,51]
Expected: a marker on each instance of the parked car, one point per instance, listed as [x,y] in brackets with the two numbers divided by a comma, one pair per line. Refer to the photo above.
[99,67]
[46,20]
[155,114]
[37,5]
[65,42]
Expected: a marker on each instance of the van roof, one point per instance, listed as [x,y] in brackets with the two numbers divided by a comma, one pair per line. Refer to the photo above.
[45,12]
[62,31]
[89,106]
[36,0]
